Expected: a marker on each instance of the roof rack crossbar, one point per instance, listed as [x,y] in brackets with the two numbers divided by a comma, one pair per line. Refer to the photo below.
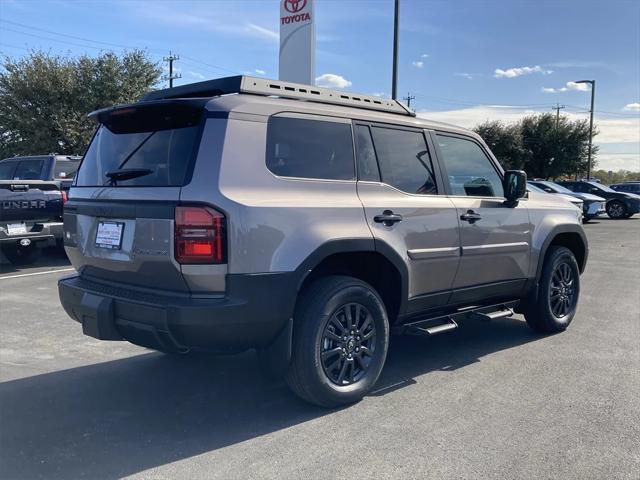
[267,87]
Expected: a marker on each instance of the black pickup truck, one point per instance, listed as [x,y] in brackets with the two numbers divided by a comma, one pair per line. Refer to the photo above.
[33,191]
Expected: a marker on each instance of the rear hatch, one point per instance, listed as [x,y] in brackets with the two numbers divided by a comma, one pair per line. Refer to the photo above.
[119,220]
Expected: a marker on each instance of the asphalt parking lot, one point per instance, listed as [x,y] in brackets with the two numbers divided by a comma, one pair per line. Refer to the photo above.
[485,401]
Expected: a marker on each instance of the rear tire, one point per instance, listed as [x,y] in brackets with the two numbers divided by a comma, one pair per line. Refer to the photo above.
[616,209]
[340,341]
[558,293]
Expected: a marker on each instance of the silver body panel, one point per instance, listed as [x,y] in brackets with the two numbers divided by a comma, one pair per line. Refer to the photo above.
[274,223]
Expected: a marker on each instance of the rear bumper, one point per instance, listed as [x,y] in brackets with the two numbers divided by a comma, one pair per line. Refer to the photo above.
[252,313]
[39,232]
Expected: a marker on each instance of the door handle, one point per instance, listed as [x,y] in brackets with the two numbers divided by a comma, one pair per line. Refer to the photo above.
[388,218]
[471,216]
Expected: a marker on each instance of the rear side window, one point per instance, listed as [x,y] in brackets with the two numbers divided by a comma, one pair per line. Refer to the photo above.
[304,148]
[159,141]
[404,160]
[470,171]
[7,169]
[29,170]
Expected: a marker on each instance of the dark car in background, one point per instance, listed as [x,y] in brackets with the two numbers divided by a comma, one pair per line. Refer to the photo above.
[592,205]
[33,191]
[628,187]
[619,204]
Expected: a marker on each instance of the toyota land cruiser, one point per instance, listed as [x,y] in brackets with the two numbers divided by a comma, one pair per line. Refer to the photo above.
[308,224]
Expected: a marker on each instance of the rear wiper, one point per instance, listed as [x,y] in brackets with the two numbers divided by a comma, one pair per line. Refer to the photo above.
[126,174]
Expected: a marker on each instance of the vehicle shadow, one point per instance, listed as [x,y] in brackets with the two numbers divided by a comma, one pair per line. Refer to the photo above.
[49,257]
[113,419]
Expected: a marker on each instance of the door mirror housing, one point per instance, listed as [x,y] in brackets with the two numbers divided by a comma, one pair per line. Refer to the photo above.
[515,185]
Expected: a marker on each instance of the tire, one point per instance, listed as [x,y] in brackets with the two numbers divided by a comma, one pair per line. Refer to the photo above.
[18,255]
[616,209]
[558,293]
[346,372]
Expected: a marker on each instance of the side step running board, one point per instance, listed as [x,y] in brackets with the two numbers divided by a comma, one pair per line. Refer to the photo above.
[507,312]
[445,323]
[434,330]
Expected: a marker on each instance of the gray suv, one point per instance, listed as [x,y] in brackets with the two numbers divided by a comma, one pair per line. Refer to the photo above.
[308,224]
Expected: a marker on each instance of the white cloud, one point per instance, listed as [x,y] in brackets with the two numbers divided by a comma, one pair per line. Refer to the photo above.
[519,71]
[380,94]
[418,64]
[634,107]
[623,134]
[425,55]
[578,87]
[331,80]
[258,31]
[197,75]
[260,72]
[468,76]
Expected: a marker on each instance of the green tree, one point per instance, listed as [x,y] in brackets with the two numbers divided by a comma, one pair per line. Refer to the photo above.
[45,99]
[543,145]
[504,141]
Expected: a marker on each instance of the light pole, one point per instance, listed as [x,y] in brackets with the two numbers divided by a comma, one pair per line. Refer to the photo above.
[394,78]
[593,93]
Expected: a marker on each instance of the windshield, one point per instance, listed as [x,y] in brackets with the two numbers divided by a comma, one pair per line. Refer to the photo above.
[532,188]
[601,187]
[557,188]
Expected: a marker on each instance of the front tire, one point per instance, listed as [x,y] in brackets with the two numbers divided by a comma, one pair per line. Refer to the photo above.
[616,209]
[558,293]
[340,341]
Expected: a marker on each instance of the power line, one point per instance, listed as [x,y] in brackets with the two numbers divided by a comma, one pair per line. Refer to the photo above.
[557,108]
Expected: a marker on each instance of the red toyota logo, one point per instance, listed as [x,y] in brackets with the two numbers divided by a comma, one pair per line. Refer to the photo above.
[294,6]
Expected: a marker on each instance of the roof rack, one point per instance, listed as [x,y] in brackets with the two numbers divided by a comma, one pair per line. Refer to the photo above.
[267,87]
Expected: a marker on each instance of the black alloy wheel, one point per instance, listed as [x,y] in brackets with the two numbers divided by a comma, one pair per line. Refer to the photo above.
[348,344]
[562,295]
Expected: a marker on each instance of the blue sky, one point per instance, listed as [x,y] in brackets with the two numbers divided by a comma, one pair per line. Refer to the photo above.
[464,61]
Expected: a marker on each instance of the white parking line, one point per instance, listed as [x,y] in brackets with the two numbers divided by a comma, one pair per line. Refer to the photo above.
[37,273]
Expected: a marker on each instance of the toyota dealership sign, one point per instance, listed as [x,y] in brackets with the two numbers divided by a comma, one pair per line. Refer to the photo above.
[297,41]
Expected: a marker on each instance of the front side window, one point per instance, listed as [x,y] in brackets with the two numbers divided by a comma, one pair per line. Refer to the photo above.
[470,171]
[303,148]
[404,160]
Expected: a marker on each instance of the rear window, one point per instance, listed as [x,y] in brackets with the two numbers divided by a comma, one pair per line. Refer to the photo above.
[160,140]
[29,170]
[65,169]
[306,148]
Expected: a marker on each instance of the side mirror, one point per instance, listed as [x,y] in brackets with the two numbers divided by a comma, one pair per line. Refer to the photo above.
[548,190]
[515,185]
[594,190]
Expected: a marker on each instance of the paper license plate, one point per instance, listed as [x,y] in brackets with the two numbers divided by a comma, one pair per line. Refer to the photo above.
[16,229]
[109,235]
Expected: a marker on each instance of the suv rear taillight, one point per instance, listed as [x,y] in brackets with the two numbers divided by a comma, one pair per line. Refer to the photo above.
[200,235]
[65,196]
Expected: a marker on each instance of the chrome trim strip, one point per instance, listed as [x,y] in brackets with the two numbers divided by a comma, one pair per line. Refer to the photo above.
[495,248]
[442,252]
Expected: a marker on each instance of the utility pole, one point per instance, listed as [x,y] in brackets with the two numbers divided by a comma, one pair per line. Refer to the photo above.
[171,77]
[593,94]
[408,99]
[394,79]
[557,108]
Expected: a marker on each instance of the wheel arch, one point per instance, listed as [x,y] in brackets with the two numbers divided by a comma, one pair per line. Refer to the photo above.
[569,236]
[372,261]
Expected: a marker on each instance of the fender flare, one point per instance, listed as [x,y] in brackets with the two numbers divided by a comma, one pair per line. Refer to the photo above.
[353,245]
[555,231]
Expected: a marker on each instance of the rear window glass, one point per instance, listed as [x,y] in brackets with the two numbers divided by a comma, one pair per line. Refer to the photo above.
[166,153]
[310,149]
[65,169]
[29,170]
